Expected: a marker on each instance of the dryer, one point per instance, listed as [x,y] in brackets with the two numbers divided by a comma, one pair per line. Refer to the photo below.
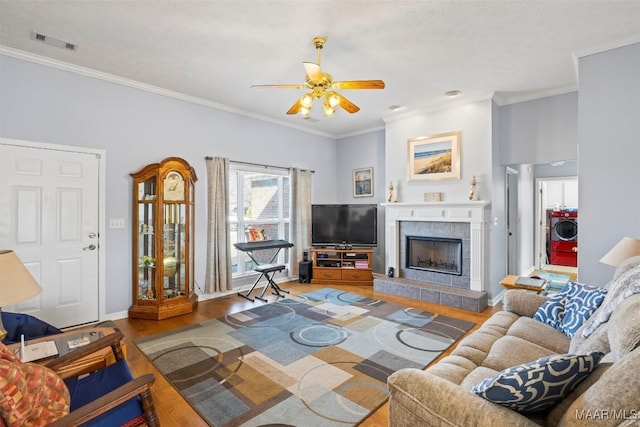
[563,238]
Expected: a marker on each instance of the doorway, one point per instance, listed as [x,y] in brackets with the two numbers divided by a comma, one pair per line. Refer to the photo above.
[512,221]
[557,206]
[51,206]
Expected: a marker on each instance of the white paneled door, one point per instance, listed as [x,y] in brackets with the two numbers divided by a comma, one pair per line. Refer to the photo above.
[49,213]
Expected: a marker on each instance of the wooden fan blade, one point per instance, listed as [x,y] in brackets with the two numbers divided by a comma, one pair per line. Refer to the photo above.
[295,108]
[359,84]
[313,71]
[284,86]
[348,105]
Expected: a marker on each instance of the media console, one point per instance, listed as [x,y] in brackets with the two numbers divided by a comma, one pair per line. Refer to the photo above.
[342,266]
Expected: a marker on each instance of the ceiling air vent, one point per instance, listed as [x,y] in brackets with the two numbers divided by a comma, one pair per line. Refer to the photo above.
[52,41]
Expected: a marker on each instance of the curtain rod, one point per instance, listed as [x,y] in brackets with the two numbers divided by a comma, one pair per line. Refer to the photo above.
[259,164]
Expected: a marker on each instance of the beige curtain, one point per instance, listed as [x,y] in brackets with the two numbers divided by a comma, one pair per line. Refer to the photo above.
[218,276]
[300,217]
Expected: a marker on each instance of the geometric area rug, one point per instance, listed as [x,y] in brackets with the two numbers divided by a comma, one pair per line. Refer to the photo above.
[317,359]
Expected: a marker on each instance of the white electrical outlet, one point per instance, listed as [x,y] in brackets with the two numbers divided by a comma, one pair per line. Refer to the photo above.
[116,223]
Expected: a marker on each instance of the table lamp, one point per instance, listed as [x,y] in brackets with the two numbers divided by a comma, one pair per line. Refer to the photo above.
[16,283]
[626,248]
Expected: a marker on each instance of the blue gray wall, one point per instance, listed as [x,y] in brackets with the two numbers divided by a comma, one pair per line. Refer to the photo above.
[361,151]
[608,168]
[540,131]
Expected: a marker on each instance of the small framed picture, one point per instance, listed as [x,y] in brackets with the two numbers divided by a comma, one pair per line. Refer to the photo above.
[363,182]
[435,157]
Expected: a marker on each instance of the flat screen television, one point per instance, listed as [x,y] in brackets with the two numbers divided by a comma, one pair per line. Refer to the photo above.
[344,225]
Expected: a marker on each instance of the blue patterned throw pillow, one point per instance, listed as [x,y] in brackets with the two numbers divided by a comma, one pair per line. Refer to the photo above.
[581,302]
[536,386]
[567,310]
[552,310]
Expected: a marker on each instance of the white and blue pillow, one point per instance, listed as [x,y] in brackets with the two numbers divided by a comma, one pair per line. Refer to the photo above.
[538,385]
[581,302]
[551,311]
[567,310]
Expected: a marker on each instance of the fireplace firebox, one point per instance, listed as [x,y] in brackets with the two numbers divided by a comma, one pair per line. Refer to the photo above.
[438,254]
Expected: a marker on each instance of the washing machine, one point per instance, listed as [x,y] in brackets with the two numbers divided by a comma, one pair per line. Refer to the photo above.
[563,238]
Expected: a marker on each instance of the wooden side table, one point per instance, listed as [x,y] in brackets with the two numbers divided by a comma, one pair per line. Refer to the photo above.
[509,282]
[94,361]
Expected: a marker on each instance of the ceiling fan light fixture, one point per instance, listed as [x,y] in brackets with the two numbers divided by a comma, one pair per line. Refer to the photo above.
[329,111]
[332,99]
[306,100]
[305,111]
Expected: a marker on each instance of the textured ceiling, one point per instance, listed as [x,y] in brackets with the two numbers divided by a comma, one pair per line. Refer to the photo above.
[213,51]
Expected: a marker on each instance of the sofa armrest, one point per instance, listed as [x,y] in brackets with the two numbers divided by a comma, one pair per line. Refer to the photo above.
[523,303]
[113,340]
[137,387]
[421,398]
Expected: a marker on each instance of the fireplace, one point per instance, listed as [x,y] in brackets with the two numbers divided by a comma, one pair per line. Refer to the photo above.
[455,220]
[462,221]
[437,254]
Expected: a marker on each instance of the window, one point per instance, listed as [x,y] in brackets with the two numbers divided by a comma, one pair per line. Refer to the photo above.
[259,199]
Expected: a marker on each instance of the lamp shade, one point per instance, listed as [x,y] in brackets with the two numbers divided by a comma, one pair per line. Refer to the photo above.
[16,283]
[626,248]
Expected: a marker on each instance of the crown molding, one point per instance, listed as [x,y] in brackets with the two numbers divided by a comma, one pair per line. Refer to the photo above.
[361,132]
[111,78]
[447,105]
[609,46]
[502,99]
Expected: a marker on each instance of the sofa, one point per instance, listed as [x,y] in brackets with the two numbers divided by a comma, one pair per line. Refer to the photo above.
[444,394]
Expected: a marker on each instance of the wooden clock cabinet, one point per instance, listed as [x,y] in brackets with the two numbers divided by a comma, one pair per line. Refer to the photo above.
[163,240]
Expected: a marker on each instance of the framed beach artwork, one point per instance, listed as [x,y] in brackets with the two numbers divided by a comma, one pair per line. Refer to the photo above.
[363,182]
[434,157]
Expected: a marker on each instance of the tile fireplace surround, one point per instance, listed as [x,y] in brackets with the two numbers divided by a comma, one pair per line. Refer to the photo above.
[468,222]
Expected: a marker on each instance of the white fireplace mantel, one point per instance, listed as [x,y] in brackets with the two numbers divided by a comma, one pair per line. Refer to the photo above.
[472,212]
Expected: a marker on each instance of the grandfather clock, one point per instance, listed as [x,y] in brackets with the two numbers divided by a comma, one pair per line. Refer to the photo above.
[163,195]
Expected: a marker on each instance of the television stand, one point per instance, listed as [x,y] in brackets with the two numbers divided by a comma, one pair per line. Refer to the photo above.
[342,266]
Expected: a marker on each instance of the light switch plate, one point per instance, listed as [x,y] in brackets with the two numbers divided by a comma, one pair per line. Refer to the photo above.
[116,223]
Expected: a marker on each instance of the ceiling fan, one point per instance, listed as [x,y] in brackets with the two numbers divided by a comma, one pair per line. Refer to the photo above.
[322,85]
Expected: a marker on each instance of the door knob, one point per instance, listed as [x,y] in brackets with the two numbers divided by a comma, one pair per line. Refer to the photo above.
[90,248]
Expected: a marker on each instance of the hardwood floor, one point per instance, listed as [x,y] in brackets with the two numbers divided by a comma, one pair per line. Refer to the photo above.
[173,410]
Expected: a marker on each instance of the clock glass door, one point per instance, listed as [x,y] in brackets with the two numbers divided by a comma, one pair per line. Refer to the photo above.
[146,251]
[174,250]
